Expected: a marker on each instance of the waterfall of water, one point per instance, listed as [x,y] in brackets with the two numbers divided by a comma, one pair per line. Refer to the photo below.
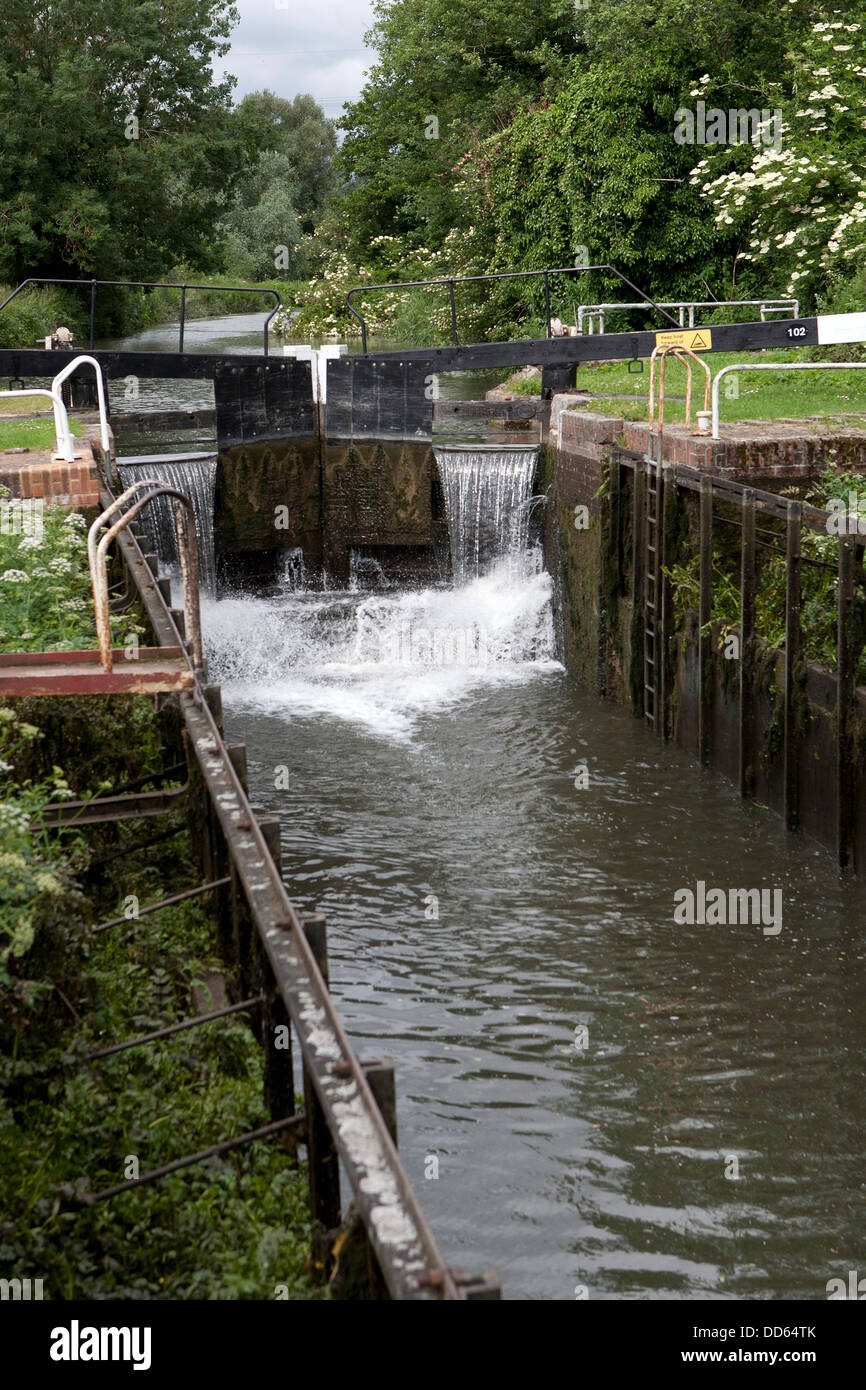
[385,660]
[487,490]
[195,478]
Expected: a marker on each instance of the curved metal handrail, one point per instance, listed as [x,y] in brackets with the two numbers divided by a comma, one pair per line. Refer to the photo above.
[63,434]
[187,549]
[682,354]
[451,281]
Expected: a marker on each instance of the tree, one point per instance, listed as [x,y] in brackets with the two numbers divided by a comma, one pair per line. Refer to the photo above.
[117,146]
[449,73]
[306,141]
[799,207]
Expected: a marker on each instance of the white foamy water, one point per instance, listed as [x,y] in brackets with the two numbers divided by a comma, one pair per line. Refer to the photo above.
[379,661]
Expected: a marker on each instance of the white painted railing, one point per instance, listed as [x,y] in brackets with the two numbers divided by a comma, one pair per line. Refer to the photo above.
[589,313]
[64,435]
[61,376]
[775,367]
[65,446]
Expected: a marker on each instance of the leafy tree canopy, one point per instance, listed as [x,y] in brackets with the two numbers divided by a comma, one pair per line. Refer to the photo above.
[117,145]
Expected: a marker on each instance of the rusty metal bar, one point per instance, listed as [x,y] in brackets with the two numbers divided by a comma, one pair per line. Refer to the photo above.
[134,848]
[187,551]
[161,776]
[113,808]
[791,792]
[159,1033]
[163,902]
[215,1151]
[404,1244]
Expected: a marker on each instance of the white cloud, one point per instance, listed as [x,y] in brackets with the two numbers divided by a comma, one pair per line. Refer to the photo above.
[315,48]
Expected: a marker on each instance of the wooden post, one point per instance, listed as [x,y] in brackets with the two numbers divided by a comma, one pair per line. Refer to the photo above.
[704,617]
[379,1073]
[213,698]
[792,657]
[846,696]
[748,581]
[324,1169]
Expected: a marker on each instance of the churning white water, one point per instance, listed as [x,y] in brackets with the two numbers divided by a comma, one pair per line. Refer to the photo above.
[379,661]
[385,660]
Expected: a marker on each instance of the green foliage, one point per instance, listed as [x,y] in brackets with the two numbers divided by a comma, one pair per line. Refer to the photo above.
[299,144]
[36,312]
[800,208]
[505,141]
[282,194]
[448,74]
[40,906]
[117,146]
[231,1228]
[818,579]
[45,583]
[394,312]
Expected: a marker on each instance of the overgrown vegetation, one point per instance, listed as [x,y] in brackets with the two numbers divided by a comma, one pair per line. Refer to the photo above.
[503,141]
[818,577]
[230,1228]
[47,602]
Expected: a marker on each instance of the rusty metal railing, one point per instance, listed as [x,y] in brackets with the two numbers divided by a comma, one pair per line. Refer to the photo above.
[187,549]
[682,354]
[279,958]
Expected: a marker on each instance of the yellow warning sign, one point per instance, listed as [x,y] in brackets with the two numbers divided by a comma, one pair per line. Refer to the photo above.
[694,338]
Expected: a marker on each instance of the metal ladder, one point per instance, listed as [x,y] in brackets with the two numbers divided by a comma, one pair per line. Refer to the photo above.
[652,613]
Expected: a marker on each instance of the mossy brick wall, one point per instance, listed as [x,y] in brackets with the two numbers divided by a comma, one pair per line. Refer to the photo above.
[767,453]
[592,589]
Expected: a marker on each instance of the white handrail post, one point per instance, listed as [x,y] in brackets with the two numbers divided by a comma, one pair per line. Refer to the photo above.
[85,360]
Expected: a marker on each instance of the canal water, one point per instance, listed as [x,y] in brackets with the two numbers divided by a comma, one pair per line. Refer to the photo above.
[595,1099]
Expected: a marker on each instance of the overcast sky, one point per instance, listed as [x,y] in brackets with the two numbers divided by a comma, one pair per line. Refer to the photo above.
[293,46]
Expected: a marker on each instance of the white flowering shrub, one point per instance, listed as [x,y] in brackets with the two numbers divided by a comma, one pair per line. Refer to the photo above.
[801,208]
[46,601]
[421,313]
